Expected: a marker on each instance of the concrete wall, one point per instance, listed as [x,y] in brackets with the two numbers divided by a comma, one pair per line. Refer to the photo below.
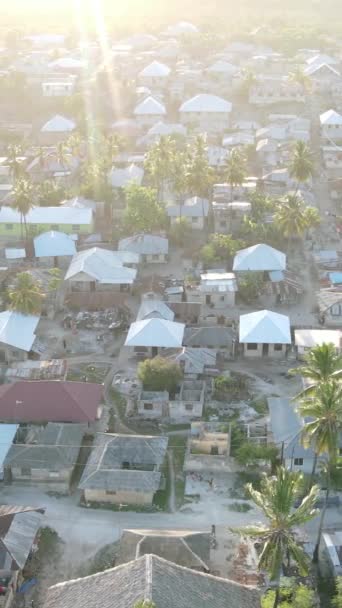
[333,132]
[154,259]
[219,300]
[13,231]
[120,497]
[207,121]
[179,410]
[54,480]
[9,354]
[272,353]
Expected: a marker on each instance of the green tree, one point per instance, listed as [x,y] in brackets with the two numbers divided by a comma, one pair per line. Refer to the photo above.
[143,212]
[14,151]
[144,604]
[181,231]
[336,602]
[301,167]
[235,170]
[159,163]
[159,374]
[294,218]
[250,454]
[26,295]
[321,364]
[291,597]
[49,193]
[95,183]
[323,413]
[250,285]
[63,155]
[299,77]
[23,193]
[200,176]
[276,500]
[221,248]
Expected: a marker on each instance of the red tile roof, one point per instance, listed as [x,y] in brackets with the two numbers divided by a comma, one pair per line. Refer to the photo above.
[50,401]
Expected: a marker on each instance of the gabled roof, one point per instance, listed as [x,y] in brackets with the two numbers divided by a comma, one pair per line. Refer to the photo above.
[164,128]
[18,330]
[194,360]
[330,117]
[119,178]
[192,207]
[326,298]
[105,467]
[154,309]
[155,332]
[209,337]
[205,102]
[156,580]
[54,244]
[50,401]
[150,105]
[145,244]
[322,58]
[223,67]
[102,265]
[58,124]
[316,68]
[18,530]
[259,258]
[264,327]
[309,338]
[155,69]
[48,215]
[221,282]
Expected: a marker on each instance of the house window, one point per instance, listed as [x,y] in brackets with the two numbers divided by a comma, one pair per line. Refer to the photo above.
[148,406]
[189,407]
[75,227]
[26,471]
[9,226]
[54,227]
[298,462]
[110,492]
[251,346]
[335,310]
[340,451]
[278,347]
[221,298]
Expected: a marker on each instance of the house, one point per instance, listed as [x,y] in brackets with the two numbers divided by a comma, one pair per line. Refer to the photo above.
[19,537]
[58,88]
[264,334]
[154,309]
[222,72]
[229,217]
[275,89]
[120,178]
[206,112]
[17,335]
[98,269]
[259,258]
[162,129]
[50,401]
[149,111]
[62,172]
[45,455]
[330,307]
[152,579]
[217,338]
[151,248]
[218,289]
[268,152]
[124,469]
[285,426]
[186,404]
[186,548]
[195,362]
[305,339]
[323,77]
[7,436]
[56,129]
[43,219]
[52,369]
[195,210]
[332,160]
[50,247]
[155,75]
[155,333]
[180,29]
[207,453]
[331,126]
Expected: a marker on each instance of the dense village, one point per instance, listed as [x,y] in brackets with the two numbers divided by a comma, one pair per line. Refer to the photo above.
[171,322]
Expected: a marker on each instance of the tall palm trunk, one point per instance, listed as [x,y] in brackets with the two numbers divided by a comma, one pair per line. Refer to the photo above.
[313,471]
[321,523]
[277,591]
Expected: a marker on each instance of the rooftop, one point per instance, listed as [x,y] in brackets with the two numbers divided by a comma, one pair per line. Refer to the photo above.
[206,103]
[155,332]
[259,258]
[264,327]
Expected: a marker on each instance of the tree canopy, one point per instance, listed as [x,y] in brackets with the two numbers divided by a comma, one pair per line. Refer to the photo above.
[159,374]
[143,212]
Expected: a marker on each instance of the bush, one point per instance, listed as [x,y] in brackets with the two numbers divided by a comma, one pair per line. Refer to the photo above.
[240,507]
[159,374]
[250,453]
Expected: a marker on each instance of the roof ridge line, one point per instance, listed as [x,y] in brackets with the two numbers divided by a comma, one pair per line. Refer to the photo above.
[148,578]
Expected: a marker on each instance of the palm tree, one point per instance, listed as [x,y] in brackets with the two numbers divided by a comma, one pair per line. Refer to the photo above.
[74,144]
[14,151]
[322,431]
[276,500]
[62,153]
[159,163]
[298,76]
[23,193]
[321,364]
[26,296]
[235,170]
[301,167]
[294,218]
[199,174]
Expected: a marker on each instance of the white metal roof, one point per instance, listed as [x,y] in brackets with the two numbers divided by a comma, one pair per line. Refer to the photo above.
[192,207]
[322,58]
[54,244]
[48,215]
[309,338]
[223,67]
[264,327]
[205,102]
[119,178]
[163,128]
[155,309]
[13,253]
[155,69]
[58,124]
[330,117]
[155,332]
[18,330]
[145,244]
[317,67]
[68,63]
[103,265]
[150,105]
[259,258]
[218,282]
[7,434]
[182,27]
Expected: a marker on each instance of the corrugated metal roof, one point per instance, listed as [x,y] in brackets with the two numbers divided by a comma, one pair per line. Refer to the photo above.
[53,244]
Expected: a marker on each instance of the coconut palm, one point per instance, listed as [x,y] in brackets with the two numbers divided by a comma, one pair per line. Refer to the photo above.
[23,193]
[294,218]
[276,500]
[159,164]
[323,410]
[301,167]
[235,170]
[26,295]
[321,364]
[14,151]
[199,174]
[74,144]
[63,155]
